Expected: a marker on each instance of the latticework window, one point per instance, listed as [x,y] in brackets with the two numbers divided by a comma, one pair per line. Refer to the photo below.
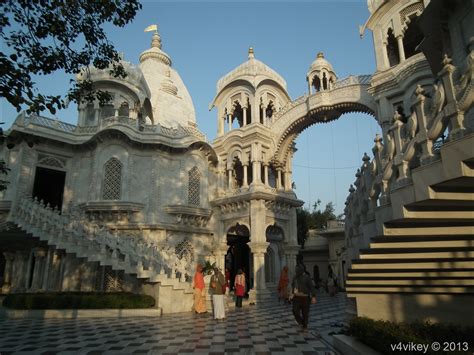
[185,250]
[112,187]
[194,187]
[113,280]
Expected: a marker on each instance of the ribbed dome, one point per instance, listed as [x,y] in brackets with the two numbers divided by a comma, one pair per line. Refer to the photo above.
[321,63]
[250,70]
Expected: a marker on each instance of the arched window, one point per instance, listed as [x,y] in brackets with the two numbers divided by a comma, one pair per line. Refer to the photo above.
[112,186]
[90,114]
[412,37]
[107,110]
[124,109]
[392,48]
[316,83]
[325,82]
[194,187]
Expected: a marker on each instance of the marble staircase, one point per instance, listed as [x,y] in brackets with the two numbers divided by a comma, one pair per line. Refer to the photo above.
[138,258]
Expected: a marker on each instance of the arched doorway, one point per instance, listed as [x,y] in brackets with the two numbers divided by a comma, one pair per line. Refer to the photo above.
[238,253]
[273,257]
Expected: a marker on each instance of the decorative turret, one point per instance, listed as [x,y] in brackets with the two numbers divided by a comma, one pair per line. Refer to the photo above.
[321,75]
[251,93]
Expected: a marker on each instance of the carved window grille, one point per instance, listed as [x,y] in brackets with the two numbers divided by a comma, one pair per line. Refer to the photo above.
[113,280]
[112,187]
[416,8]
[184,250]
[194,187]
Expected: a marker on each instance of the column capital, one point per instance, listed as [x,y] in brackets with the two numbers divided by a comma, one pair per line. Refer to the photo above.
[39,252]
[258,247]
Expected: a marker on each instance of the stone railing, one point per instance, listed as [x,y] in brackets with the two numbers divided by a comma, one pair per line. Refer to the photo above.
[74,231]
[168,132]
[410,144]
[351,80]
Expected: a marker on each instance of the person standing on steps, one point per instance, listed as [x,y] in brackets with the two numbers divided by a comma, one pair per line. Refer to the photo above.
[218,290]
[239,286]
[302,290]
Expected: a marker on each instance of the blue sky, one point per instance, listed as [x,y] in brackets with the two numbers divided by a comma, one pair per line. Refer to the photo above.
[207,39]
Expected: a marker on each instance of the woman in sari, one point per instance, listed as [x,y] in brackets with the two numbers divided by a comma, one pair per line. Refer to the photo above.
[199,291]
[283,285]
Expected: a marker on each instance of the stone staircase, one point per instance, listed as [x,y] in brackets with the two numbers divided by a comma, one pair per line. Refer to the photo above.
[136,257]
[429,250]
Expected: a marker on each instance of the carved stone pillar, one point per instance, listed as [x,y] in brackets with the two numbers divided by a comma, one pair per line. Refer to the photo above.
[229,179]
[278,179]
[40,255]
[265,174]
[385,62]
[258,250]
[229,121]
[245,182]
[244,109]
[7,275]
[401,49]
[220,125]
[457,118]
[46,268]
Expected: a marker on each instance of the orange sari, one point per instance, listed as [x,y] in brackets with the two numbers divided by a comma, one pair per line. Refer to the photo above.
[283,284]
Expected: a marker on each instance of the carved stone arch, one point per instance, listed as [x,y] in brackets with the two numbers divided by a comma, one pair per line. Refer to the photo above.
[319,114]
[274,232]
[51,162]
[240,227]
[234,152]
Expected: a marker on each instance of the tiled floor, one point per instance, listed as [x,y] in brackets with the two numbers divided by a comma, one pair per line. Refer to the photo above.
[262,329]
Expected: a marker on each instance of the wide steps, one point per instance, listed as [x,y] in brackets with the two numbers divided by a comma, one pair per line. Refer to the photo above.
[410,253]
[411,273]
[416,289]
[415,281]
[431,226]
[420,241]
[413,263]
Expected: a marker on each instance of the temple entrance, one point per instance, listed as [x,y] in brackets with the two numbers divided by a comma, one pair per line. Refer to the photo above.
[238,254]
[49,186]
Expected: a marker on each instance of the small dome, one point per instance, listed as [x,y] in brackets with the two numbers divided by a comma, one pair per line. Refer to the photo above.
[321,63]
[252,69]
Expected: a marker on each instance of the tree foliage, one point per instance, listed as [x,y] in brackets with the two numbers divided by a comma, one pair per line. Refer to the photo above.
[43,36]
[315,219]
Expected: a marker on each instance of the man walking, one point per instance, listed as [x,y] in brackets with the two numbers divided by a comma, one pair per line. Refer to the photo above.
[302,289]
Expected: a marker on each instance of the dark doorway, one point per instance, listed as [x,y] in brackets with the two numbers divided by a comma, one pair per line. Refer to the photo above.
[49,186]
[238,254]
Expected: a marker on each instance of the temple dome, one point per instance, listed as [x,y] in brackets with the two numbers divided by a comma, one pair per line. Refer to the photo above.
[170,100]
[253,71]
[321,63]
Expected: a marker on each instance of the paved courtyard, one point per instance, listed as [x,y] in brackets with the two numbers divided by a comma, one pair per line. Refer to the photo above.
[262,329]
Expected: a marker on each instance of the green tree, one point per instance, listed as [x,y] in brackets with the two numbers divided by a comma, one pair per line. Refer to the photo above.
[316,219]
[44,36]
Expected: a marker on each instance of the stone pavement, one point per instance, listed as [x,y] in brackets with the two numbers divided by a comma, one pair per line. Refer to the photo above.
[260,329]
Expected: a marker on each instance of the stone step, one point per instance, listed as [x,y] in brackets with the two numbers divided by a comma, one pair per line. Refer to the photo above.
[409,289]
[410,282]
[433,263]
[410,253]
[410,273]
[423,243]
[428,227]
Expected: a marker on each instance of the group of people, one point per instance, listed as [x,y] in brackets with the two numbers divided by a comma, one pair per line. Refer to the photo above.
[301,294]
[218,287]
